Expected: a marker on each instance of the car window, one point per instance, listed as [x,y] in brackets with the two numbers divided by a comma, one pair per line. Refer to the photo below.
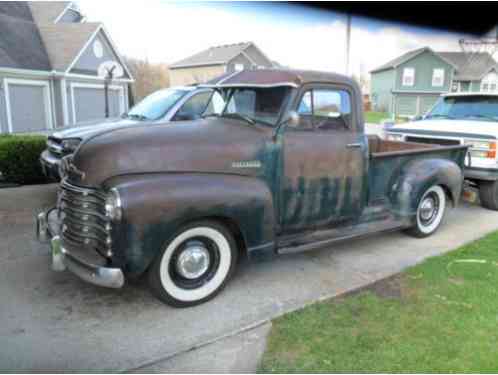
[327,109]
[157,104]
[216,104]
[194,107]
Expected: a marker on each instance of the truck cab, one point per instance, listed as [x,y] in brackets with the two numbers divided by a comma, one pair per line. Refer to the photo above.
[468,118]
[285,167]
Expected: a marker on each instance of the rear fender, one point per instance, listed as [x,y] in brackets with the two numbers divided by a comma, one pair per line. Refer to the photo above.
[417,176]
[155,206]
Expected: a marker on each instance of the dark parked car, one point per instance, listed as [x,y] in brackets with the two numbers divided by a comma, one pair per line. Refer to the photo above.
[285,167]
[172,104]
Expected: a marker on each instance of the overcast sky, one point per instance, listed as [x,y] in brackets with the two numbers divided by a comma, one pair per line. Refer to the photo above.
[292,35]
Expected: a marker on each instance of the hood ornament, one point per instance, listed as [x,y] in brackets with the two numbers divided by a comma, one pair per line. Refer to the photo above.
[66,168]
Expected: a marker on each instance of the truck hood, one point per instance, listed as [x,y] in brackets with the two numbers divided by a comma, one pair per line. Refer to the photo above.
[451,128]
[213,145]
[91,128]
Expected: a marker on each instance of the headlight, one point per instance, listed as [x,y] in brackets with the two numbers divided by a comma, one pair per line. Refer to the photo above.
[481,149]
[70,145]
[394,137]
[113,208]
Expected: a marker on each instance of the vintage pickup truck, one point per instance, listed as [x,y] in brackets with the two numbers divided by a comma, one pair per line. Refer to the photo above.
[285,167]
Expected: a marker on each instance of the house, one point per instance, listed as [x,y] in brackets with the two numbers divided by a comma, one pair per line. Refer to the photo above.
[410,84]
[216,61]
[49,59]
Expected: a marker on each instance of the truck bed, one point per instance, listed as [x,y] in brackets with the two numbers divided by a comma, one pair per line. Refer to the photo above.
[387,159]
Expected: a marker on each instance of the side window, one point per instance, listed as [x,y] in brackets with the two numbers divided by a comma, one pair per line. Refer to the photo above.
[325,109]
[193,108]
[216,104]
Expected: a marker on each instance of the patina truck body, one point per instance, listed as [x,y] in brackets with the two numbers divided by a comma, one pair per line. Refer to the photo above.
[286,167]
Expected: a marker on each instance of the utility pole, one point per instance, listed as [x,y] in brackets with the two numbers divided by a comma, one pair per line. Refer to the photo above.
[348,42]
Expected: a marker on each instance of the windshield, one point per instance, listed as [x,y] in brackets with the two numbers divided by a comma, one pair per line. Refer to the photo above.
[154,106]
[477,107]
[261,105]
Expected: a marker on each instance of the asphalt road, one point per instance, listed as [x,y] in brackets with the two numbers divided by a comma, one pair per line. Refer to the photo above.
[54,321]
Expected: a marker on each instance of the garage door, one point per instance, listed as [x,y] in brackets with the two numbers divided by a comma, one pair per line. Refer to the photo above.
[406,105]
[89,103]
[426,103]
[28,106]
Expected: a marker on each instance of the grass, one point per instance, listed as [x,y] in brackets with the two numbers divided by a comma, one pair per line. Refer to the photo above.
[376,117]
[439,316]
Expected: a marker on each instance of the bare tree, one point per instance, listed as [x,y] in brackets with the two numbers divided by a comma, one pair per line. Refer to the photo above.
[149,77]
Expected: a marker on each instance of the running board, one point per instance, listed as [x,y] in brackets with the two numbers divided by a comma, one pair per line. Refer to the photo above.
[306,243]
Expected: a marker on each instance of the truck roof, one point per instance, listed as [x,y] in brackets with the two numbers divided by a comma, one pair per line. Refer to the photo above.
[277,77]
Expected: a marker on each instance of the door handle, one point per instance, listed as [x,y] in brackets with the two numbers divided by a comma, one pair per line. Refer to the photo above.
[353,145]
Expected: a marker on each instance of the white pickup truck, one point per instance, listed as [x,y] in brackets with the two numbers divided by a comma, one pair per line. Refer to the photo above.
[462,119]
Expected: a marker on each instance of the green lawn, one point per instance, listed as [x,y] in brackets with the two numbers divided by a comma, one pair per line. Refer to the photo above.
[440,316]
[376,117]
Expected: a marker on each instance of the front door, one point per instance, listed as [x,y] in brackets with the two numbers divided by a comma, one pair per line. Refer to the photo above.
[323,162]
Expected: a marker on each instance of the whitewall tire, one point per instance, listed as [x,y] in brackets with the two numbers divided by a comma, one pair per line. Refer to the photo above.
[430,212]
[195,265]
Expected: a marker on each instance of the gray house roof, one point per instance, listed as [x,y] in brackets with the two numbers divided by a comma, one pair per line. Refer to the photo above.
[47,11]
[219,55]
[64,41]
[21,46]
[480,64]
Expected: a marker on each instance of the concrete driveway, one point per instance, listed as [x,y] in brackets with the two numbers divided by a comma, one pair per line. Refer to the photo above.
[53,321]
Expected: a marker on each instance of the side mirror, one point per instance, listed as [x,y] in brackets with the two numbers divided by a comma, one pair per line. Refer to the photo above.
[293,118]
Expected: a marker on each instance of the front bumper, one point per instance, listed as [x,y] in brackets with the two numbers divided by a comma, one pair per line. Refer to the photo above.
[63,258]
[50,165]
[472,173]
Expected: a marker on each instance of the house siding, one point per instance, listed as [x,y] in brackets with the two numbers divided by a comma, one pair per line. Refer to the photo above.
[424,64]
[187,76]
[380,90]
[240,59]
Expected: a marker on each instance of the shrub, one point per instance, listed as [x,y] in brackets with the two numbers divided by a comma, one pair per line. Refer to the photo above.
[19,158]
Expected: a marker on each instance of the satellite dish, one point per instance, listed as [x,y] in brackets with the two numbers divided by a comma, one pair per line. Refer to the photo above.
[110,68]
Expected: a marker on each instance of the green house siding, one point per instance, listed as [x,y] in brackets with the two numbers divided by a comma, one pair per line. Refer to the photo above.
[409,105]
[424,65]
[475,86]
[426,103]
[381,90]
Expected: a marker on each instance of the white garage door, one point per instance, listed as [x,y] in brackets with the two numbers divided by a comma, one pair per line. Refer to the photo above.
[28,105]
[89,102]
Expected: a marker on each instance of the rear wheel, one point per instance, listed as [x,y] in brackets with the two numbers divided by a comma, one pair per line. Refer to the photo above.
[430,212]
[195,265]
[488,194]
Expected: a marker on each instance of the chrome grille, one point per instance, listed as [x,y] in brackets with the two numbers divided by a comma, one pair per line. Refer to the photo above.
[84,223]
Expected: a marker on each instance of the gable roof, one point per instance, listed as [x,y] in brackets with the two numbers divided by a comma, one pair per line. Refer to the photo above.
[480,64]
[47,11]
[21,46]
[218,55]
[64,41]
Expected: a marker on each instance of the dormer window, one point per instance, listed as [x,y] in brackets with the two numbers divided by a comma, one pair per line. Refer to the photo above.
[408,77]
[71,14]
[438,77]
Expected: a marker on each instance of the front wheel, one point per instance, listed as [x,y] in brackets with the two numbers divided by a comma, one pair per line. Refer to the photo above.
[195,265]
[430,212]
[488,194]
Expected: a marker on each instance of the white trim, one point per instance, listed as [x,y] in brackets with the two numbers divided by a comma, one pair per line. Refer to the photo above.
[83,49]
[68,6]
[405,75]
[48,74]
[46,96]
[112,45]
[51,84]
[63,88]
[74,85]
[95,78]
[38,73]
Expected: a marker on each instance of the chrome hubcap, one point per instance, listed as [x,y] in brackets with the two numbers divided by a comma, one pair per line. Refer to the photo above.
[427,208]
[193,261]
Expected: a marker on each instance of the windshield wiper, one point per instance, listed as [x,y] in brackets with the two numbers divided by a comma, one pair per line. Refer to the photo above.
[137,116]
[239,116]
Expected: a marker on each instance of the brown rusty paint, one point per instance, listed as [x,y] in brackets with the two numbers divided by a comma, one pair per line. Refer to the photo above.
[269,182]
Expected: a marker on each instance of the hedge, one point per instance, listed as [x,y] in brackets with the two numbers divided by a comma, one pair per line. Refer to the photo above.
[19,158]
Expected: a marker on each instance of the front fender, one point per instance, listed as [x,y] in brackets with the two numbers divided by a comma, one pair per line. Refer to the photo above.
[155,206]
[417,176]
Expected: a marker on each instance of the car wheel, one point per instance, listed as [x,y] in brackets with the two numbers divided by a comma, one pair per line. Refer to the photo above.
[488,194]
[195,265]
[430,212]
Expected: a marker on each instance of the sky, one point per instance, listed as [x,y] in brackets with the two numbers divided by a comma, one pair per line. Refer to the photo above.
[293,35]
